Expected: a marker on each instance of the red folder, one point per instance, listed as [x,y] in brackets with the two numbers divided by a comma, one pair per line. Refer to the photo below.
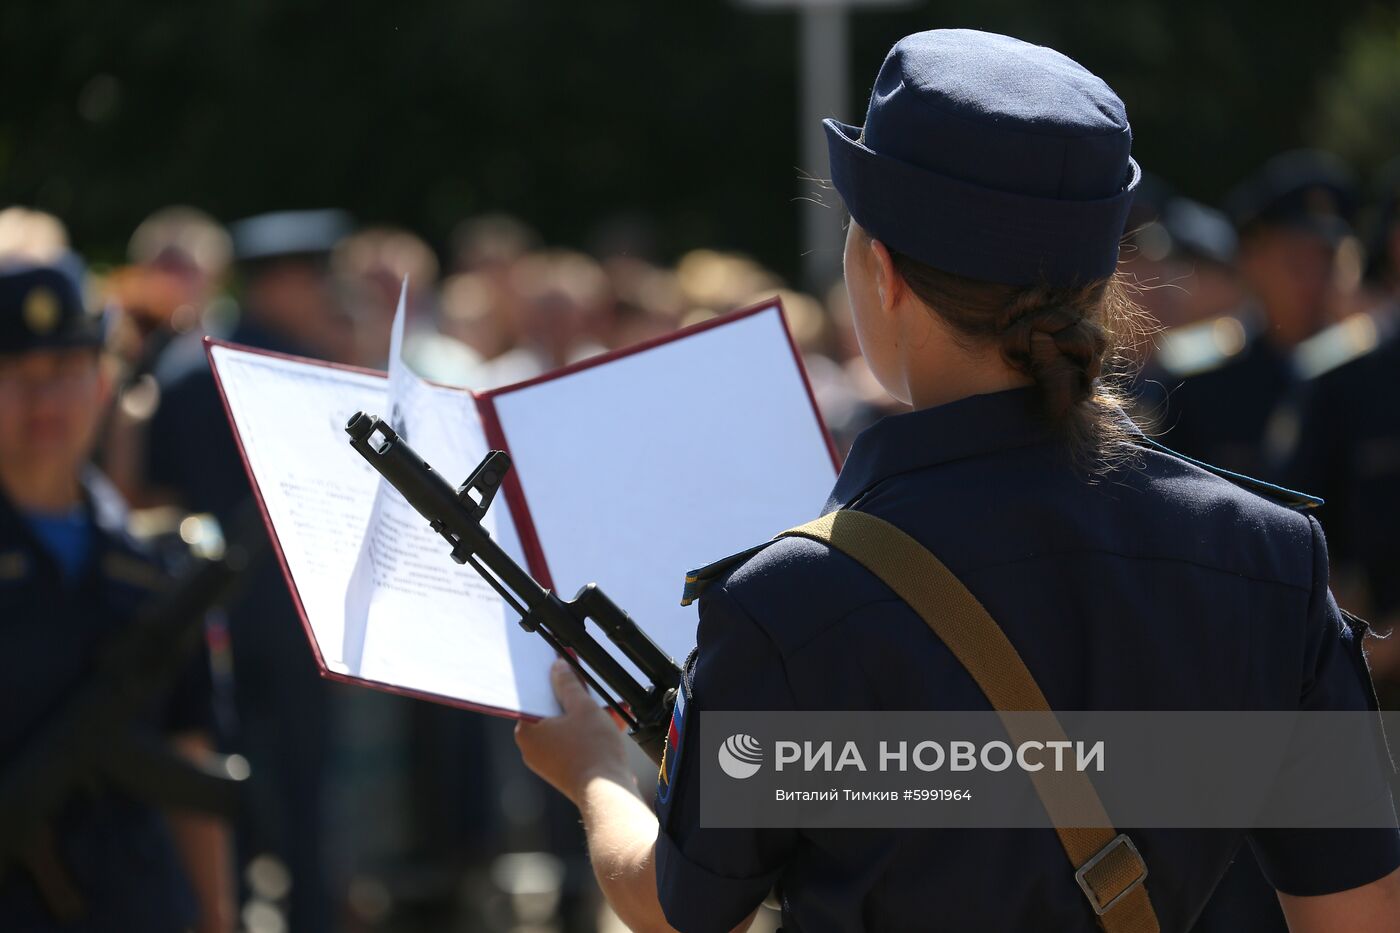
[516,489]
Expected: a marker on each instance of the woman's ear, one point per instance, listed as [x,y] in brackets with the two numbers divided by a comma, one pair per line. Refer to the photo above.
[888,282]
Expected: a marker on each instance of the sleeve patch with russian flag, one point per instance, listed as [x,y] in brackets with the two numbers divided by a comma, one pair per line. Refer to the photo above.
[671,756]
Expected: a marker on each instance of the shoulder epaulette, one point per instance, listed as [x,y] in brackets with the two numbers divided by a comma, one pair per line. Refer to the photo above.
[1335,346]
[1291,498]
[697,581]
[1198,348]
[134,571]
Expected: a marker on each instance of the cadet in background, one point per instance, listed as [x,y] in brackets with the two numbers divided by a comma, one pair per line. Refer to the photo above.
[71,576]
[169,296]
[1227,380]
[1349,443]
[1179,258]
[289,305]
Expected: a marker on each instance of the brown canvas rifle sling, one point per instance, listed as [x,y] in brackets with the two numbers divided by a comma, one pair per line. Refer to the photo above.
[1106,865]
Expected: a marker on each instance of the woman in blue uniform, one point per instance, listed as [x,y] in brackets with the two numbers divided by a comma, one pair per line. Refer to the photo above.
[987,193]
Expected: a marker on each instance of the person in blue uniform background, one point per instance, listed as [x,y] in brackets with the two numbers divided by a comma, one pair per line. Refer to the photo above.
[987,192]
[1349,443]
[191,458]
[1225,386]
[70,576]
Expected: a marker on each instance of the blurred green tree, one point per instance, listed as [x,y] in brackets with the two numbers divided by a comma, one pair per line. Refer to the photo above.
[565,113]
[1358,109]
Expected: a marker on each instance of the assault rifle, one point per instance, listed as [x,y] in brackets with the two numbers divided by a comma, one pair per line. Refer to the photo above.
[456,514]
[90,740]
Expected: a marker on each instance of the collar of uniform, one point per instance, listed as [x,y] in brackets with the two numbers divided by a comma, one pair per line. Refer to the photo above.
[21,553]
[18,549]
[119,556]
[104,506]
[969,427]
[109,510]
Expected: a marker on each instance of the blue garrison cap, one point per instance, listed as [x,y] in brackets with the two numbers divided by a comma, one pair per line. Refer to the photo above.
[991,158]
[288,233]
[41,308]
[1199,231]
[1304,190]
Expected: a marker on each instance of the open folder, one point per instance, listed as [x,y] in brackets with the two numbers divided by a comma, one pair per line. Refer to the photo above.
[630,468]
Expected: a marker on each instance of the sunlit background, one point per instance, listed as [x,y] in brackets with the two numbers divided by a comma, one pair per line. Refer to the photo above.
[555,179]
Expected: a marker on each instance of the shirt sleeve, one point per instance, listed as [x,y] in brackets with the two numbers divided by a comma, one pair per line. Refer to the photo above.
[707,878]
[1324,861]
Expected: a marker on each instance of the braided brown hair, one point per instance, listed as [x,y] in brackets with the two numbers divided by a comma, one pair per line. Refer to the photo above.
[1073,342]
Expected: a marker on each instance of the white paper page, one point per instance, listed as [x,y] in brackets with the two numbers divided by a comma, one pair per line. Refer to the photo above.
[290,418]
[656,463]
[415,617]
[427,624]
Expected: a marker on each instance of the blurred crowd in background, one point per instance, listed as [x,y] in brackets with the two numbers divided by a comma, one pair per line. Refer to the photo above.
[371,811]
[1277,356]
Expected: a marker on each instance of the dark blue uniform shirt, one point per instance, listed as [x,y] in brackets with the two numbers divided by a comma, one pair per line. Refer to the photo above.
[1157,586]
[1349,452]
[118,851]
[1234,415]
